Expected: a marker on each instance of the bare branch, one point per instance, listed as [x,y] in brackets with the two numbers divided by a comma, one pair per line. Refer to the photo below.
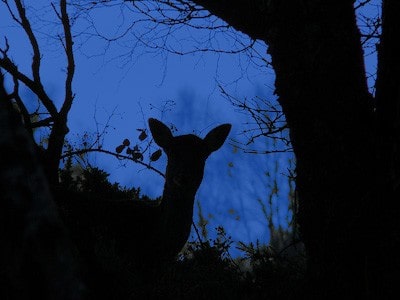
[119,156]
[361,3]
[26,25]
[35,87]
[267,121]
[42,123]
[155,24]
[69,96]
[13,16]
[247,150]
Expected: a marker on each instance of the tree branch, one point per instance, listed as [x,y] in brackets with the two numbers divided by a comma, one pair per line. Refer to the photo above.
[35,87]
[68,47]
[26,25]
[233,12]
[119,156]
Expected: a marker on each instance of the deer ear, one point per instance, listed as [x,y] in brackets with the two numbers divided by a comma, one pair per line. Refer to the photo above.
[217,136]
[161,133]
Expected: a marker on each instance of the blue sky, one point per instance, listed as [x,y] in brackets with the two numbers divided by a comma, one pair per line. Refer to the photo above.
[234,182]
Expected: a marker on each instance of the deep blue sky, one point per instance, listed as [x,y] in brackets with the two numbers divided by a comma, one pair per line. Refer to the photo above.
[105,85]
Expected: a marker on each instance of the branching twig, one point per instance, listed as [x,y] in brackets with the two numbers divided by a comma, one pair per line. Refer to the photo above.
[267,121]
[35,84]
[69,96]
[119,156]
[26,25]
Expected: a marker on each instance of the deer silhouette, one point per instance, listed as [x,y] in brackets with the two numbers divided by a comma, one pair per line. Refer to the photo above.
[187,155]
[147,234]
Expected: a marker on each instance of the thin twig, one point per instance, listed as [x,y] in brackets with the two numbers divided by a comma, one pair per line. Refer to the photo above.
[119,156]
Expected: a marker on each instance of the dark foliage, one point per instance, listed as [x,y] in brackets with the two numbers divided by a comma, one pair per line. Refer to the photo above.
[203,270]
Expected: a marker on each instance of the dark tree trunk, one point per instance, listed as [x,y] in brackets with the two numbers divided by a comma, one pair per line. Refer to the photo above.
[347,154]
[387,193]
[36,260]
[320,81]
[52,155]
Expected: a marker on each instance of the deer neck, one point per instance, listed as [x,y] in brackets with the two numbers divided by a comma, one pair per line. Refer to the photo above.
[177,213]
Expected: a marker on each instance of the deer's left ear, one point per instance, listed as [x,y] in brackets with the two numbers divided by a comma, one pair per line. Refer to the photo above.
[160,132]
[217,136]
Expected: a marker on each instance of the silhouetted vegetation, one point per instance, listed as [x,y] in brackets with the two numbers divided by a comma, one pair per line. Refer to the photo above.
[344,136]
[203,269]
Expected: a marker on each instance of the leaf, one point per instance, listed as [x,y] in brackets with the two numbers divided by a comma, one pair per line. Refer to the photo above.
[120,148]
[126,142]
[137,156]
[143,135]
[156,155]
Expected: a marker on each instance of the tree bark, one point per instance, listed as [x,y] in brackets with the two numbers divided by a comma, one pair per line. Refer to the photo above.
[387,193]
[320,80]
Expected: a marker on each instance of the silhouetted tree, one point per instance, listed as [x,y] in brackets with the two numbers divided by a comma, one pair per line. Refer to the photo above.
[54,118]
[346,140]
[36,259]
[347,150]
[52,113]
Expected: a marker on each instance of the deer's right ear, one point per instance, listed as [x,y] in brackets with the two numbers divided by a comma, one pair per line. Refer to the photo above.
[161,133]
[216,137]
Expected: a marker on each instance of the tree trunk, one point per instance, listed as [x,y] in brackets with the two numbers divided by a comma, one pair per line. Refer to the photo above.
[345,207]
[386,261]
[52,155]
[320,80]
[36,260]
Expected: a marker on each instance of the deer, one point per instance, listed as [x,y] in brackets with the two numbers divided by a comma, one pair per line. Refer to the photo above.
[145,235]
